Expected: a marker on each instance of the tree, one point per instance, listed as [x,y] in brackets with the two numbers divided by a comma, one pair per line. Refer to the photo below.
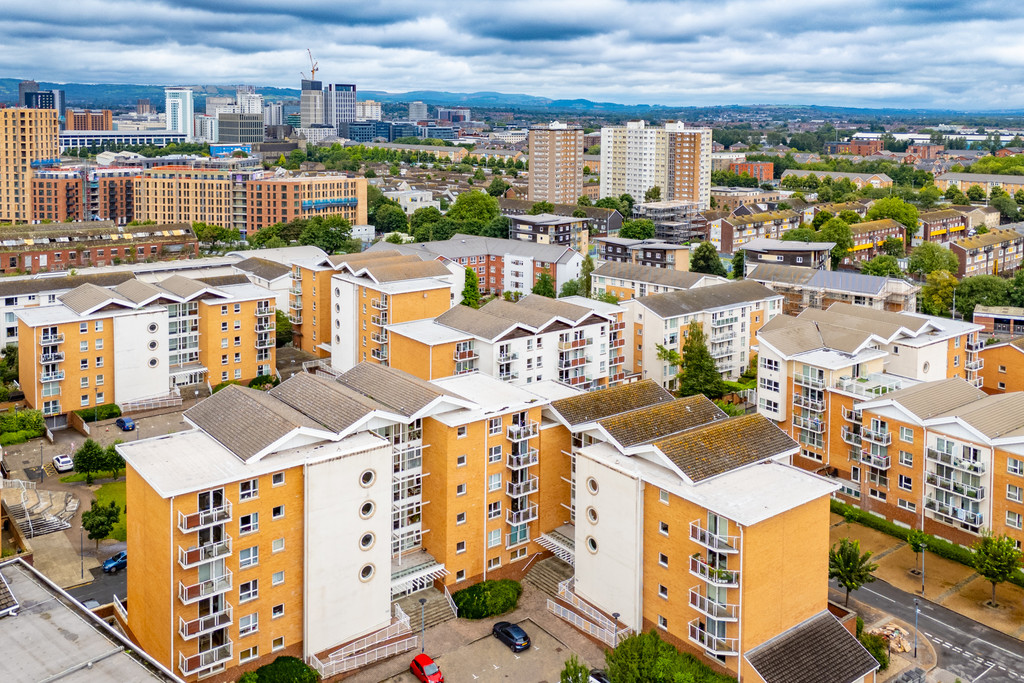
[89,458]
[627,202]
[275,242]
[332,234]
[422,218]
[540,207]
[836,230]
[981,290]
[916,540]
[883,265]
[975,193]
[545,286]
[9,364]
[1008,208]
[498,227]
[283,329]
[996,558]
[1015,292]
[928,257]
[738,264]
[569,288]
[471,290]
[653,194]
[390,218]
[584,200]
[574,672]
[474,205]
[704,259]
[497,187]
[896,209]
[698,373]
[849,567]
[112,460]
[585,279]
[821,218]
[99,520]
[893,246]
[611,203]
[803,234]
[937,293]
[849,217]
[639,229]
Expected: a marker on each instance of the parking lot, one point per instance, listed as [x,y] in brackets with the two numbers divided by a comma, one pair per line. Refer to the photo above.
[488,659]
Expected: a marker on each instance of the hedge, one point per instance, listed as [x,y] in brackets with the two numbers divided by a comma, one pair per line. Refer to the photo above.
[225,384]
[107,411]
[22,421]
[282,670]
[11,438]
[938,546]
[488,598]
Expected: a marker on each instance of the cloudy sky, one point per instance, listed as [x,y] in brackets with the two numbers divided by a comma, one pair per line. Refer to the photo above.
[920,53]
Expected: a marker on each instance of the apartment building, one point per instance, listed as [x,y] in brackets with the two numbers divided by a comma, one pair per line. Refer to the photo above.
[1000,319]
[573,340]
[607,221]
[139,341]
[855,147]
[1002,362]
[629,280]
[60,246]
[86,119]
[83,194]
[986,181]
[806,288]
[859,180]
[941,226]
[272,199]
[674,157]
[762,171]
[651,252]
[759,251]
[997,252]
[730,315]
[675,524]
[556,163]
[28,142]
[736,231]
[501,265]
[869,236]
[730,198]
[547,228]
[674,221]
[183,194]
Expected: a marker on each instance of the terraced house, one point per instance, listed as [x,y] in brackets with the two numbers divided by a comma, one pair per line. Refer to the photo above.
[997,252]
[734,232]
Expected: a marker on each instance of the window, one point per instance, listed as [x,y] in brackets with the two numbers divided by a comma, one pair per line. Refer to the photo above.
[224,327]
[907,505]
[1015,493]
[249,523]
[367,478]
[769,384]
[494,426]
[85,400]
[238,342]
[238,308]
[460,575]
[250,590]
[494,562]
[880,495]
[1015,466]
[906,459]
[277,578]
[460,518]
[277,545]
[278,479]
[99,361]
[366,572]
[662,591]
[249,489]
[493,538]
[83,346]
[907,434]
[248,654]
[460,490]
[98,326]
[248,557]
[494,455]
[662,622]
[1013,519]
[663,495]
[277,644]
[460,547]
[1002,369]
[278,511]
[83,328]
[854,474]
[223,310]
[84,364]
[663,528]
[663,559]
[592,485]
[277,611]
[248,624]
[770,364]
[494,482]
[494,510]
[462,432]
[84,382]
[906,483]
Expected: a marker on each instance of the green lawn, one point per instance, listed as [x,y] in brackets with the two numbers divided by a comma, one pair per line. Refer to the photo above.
[78,476]
[115,491]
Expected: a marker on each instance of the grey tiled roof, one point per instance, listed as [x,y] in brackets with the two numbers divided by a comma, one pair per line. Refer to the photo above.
[681,279]
[479,323]
[994,416]
[84,297]
[661,420]
[597,405]
[182,286]
[330,403]
[683,302]
[36,285]
[398,391]
[929,399]
[832,280]
[469,245]
[819,650]
[137,291]
[263,268]
[224,280]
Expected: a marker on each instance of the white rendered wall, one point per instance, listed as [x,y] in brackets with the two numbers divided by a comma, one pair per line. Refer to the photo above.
[135,376]
[344,296]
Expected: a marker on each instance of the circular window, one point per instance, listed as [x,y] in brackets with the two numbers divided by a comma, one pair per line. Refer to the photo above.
[366,573]
[367,478]
[153,343]
[367,540]
[337,308]
[337,292]
[592,485]
[366,509]
[153,362]
[337,323]
[591,544]
[153,327]
[592,515]
[926,367]
[337,339]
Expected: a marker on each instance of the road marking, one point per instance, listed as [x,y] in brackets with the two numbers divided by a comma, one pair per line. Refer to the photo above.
[984,672]
[884,597]
[496,667]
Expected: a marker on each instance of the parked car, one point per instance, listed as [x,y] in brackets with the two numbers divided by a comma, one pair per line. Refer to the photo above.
[63,463]
[116,563]
[599,676]
[511,635]
[425,669]
[126,424]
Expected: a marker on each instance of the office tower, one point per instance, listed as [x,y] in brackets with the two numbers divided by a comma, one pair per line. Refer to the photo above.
[24,88]
[143,106]
[556,163]
[215,104]
[675,158]
[453,114]
[368,110]
[273,114]
[339,104]
[207,128]
[243,129]
[311,104]
[180,110]
[417,111]
[248,101]
[47,99]
[33,143]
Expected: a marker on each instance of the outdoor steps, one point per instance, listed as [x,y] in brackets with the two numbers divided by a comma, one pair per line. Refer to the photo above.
[548,573]
[436,611]
[36,519]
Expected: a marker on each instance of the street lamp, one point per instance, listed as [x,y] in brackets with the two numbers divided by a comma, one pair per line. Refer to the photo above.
[423,625]
[923,548]
[81,547]
[615,633]
[917,611]
[42,474]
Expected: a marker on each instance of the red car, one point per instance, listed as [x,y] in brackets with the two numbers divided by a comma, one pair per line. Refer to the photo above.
[425,669]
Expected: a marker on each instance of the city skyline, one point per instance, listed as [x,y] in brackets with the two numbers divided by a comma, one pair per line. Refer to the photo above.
[932,55]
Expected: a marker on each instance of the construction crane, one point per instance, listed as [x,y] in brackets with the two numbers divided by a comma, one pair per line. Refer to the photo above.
[312,65]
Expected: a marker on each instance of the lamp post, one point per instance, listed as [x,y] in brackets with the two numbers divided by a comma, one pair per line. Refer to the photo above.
[423,625]
[923,548]
[615,633]
[81,548]
[42,474]
[917,611]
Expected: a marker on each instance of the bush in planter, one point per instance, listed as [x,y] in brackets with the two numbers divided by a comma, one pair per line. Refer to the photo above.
[107,411]
[282,670]
[488,598]
[264,382]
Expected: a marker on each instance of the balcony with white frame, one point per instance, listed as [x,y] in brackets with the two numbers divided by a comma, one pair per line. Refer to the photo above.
[882,437]
[522,432]
[207,552]
[527,514]
[810,424]
[953,513]
[522,488]
[713,645]
[204,624]
[811,404]
[710,608]
[188,523]
[955,487]
[811,381]
[526,459]
[881,462]
[205,659]
[726,578]
[718,542]
[956,462]
[204,589]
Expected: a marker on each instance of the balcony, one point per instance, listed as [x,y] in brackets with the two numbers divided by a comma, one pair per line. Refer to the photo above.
[723,352]
[211,622]
[55,357]
[297,291]
[853,416]
[522,488]
[617,343]
[204,553]
[577,379]
[265,342]
[522,432]
[204,660]
[809,381]
[872,386]
[957,487]
[380,304]
[518,462]
[719,577]
[204,589]
[881,462]
[55,376]
[722,337]
[465,354]
[51,409]
[972,466]
[723,322]
[713,609]
[974,347]
[712,644]
[204,518]
[849,436]
[379,320]
[878,479]
[380,353]
[574,344]
[508,376]
[51,339]
[262,311]
[295,318]
[975,519]
[295,304]
[811,424]
[507,357]
[974,365]
[566,363]
[808,403]
[880,436]
[717,542]
[380,337]
[527,514]
[620,325]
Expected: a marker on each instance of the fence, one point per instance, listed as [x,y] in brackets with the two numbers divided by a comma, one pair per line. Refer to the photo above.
[451,602]
[335,667]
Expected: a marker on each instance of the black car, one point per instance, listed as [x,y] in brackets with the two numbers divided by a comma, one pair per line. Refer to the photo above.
[511,635]
[599,676]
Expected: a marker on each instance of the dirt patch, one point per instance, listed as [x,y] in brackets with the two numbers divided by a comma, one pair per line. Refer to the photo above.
[872,540]
[940,574]
[970,600]
[834,519]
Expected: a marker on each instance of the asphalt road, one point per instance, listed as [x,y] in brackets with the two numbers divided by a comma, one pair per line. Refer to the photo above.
[103,587]
[966,648]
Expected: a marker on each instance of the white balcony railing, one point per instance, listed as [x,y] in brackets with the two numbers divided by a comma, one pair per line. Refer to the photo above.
[527,514]
[518,462]
[957,487]
[713,609]
[881,462]
[203,518]
[726,578]
[849,436]
[211,622]
[204,589]
[969,517]
[207,552]
[718,542]
[55,376]
[972,466]
[522,432]
[880,436]
[204,660]
[813,382]
[522,488]
[51,339]
[712,644]
[810,424]
[808,403]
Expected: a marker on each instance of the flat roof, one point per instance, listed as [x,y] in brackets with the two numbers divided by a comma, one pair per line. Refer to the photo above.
[491,396]
[429,332]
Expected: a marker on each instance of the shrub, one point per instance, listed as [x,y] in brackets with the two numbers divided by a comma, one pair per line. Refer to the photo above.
[488,598]
[644,657]
[224,384]
[878,648]
[282,670]
[22,421]
[107,411]
[264,382]
[860,626]
[11,438]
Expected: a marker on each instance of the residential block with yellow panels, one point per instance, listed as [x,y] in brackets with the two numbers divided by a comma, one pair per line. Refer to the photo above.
[675,524]
[730,315]
[997,252]
[183,194]
[629,280]
[138,341]
[28,142]
[574,340]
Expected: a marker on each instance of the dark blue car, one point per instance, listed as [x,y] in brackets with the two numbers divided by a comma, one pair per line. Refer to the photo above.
[125,424]
[116,563]
[511,635]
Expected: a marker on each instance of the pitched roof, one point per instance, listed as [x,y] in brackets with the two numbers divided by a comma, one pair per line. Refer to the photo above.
[681,279]
[411,270]
[658,421]
[478,322]
[470,245]
[940,214]
[981,177]
[929,399]
[834,174]
[224,280]
[137,291]
[683,302]
[183,287]
[88,296]
[989,239]
[533,317]
[330,403]
[819,650]
[869,226]
[994,416]
[831,280]
[397,390]
[35,285]
[262,268]
[597,405]
[725,445]
[766,244]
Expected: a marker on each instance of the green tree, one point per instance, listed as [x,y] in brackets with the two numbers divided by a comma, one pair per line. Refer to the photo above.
[1015,292]
[611,203]
[928,257]
[88,459]
[474,205]
[422,218]
[390,218]
[937,293]
[395,238]
[574,671]
[849,567]
[975,193]
[738,264]
[996,558]
[112,460]
[1008,208]
[471,290]
[99,520]
[981,290]
[282,329]
[653,194]
[627,202]
[849,217]
[704,259]
[275,242]
[497,187]
[893,246]
[545,285]
[883,265]
[332,234]
[586,269]
[569,288]
[9,364]
[802,234]
[497,227]
[896,209]
[639,229]
[916,540]
[821,218]
[540,207]
[836,230]
[584,200]
[698,373]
